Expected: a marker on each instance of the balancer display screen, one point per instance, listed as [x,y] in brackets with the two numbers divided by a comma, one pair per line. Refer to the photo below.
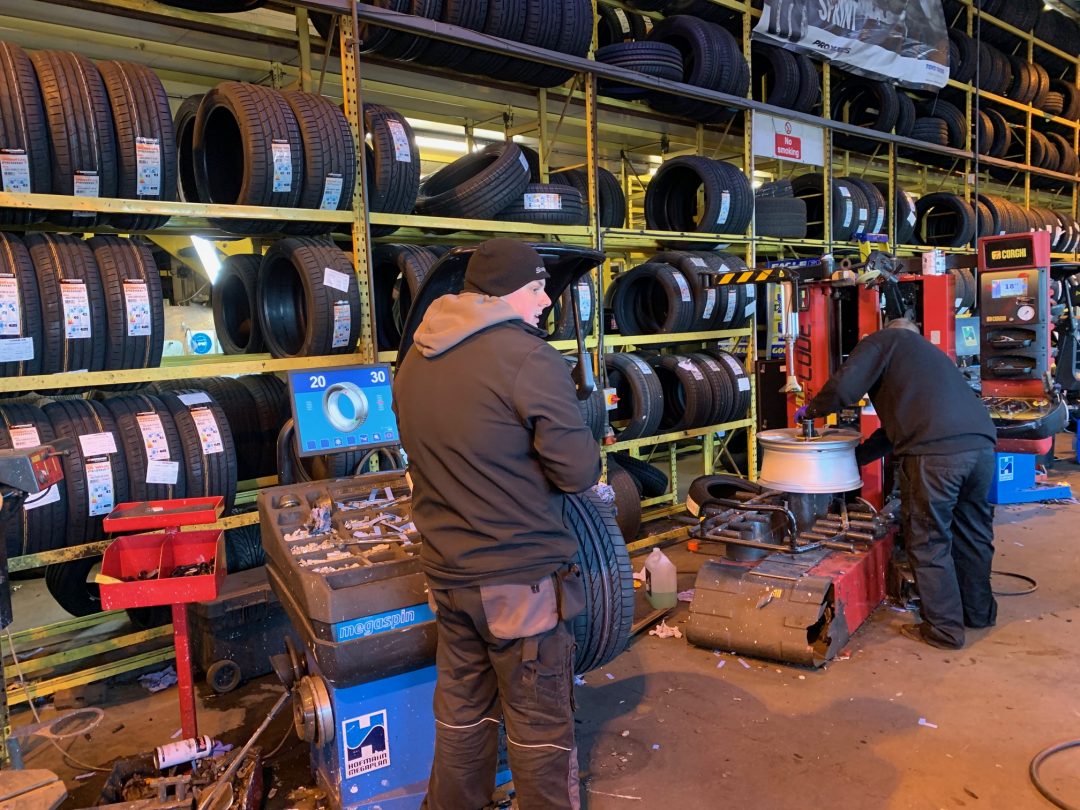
[1008,287]
[342,408]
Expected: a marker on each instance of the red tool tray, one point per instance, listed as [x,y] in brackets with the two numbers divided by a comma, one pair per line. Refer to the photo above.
[142,515]
[163,552]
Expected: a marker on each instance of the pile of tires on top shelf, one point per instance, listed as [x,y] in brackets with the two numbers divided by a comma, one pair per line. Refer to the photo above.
[676,292]
[188,438]
[556,25]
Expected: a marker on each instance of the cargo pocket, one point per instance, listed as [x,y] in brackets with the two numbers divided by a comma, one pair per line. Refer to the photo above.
[547,671]
[516,611]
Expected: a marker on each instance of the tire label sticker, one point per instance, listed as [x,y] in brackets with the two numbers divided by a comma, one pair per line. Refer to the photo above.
[87,184]
[524,163]
[725,206]
[137,304]
[162,472]
[584,301]
[879,220]
[282,152]
[732,293]
[342,324]
[15,169]
[844,191]
[331,194]
[24,436]
[76,309]
[194,398]
[710,302]
[15,350]
[864,216]
[542,202]
[624,22]
[51,495]
[10,307]
[153,435]
[209,432]
[686,364]
[684,288]
[641,364]
[744,383]
[99,488]
[402,150]
[98,444]
[911,208]
[712,364]
[848,211]
[336,279]
[697,261]
[147,167]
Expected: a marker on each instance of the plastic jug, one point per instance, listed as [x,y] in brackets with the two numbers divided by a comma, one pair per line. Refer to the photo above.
[661,586]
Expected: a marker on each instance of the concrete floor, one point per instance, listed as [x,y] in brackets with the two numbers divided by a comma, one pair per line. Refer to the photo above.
[890,724]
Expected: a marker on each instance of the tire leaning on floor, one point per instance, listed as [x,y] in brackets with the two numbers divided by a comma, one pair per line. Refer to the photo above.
[247,150]
[329,159]
[652,482]
[476,186]
[235,305]
[627,500]
[145,140]
[308,299]
[602,629]
[135,310]
[80,127]
[23,129]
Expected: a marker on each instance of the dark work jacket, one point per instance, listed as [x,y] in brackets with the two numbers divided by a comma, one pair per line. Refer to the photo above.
[489,419]
[923,401]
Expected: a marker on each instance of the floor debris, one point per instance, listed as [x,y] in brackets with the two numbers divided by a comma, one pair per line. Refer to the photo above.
[156,681]
[924,722]
[663,631]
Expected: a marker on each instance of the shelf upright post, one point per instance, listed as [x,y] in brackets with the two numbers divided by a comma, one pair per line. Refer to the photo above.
[826,196]
[361,233]
[751,260]
[542,132]
[303,33]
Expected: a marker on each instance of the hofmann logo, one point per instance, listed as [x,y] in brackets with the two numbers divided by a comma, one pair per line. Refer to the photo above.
[366,742]
[382,622]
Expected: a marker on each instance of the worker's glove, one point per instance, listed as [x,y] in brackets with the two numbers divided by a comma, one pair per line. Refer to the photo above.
[802,414]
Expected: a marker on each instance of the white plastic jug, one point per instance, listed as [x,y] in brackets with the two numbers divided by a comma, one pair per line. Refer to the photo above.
[661,585]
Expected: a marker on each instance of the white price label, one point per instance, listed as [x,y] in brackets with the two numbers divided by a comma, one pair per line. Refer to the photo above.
[641,364]
[98,444]
[10,307]
[684,288]
[331,193]
[162,472]
[542,202]
[209,432]
[744,383]
[624,21]
[87,184]
[282,152]
[137,305]
[51,495]
[732,294]
[844,191]
[697,261]
[342,324]
[153,435]
[402,152]
[712,364]
[710,302]
[194,398]
[336,279]
[725,206]
[911,208]
[23,436]
[864,215]
[147,167]
[879,220]
[584,301]
[688,365]
[848,211]
[99,488]
[16,350]
[15,170]
[524,163]
[76,310]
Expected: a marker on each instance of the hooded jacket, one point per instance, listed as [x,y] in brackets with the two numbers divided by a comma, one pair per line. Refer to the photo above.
[488,416]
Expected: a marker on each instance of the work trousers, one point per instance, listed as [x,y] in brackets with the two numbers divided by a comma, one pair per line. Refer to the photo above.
[527,681]
[949,532]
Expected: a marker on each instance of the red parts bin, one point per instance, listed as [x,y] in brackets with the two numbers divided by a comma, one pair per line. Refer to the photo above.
[163,551]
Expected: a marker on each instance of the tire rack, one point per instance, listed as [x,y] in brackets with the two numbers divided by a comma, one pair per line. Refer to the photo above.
[626,241]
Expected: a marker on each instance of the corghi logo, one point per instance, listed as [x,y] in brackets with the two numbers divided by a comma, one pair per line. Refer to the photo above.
[1008,253]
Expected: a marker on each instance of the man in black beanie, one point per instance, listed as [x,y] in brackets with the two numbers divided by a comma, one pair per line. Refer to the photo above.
[489,419]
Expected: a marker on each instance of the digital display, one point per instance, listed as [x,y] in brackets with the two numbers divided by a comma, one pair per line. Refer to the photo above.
[1008,287]
[342,409]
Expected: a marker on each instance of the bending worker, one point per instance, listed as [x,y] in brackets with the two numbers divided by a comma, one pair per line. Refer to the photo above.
[944,440]
[489,419]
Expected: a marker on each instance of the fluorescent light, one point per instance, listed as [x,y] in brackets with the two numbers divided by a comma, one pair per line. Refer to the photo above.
[442,144]
[209,257]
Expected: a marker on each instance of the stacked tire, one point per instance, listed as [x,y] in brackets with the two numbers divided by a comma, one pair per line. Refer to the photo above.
[784,78]
[725,204]
[855,206]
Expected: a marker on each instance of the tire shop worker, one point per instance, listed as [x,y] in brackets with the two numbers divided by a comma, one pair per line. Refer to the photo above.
[488,416]
[944,440]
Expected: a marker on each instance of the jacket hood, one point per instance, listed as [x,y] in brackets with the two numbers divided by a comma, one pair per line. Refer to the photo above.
[452,318]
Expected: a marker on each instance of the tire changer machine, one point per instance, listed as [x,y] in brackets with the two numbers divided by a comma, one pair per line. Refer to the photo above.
[1018,388]
[805,561]
[343,559]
